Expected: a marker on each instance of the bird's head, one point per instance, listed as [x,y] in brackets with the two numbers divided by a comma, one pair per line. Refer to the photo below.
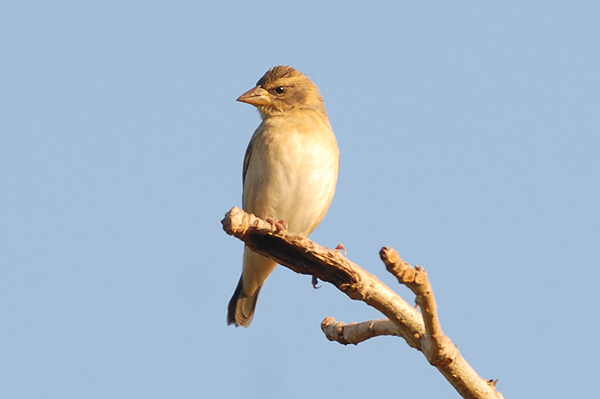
[283,90]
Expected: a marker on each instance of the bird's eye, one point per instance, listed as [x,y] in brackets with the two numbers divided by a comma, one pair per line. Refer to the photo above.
[279,89]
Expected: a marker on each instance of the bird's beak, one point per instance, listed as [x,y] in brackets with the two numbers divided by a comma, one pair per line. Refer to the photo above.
[256,96]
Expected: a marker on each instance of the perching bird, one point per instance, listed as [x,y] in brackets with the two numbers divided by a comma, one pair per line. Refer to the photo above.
[290,170]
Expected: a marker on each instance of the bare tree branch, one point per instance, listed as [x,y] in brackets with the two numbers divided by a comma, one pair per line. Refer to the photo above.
[355,333]
[421,331]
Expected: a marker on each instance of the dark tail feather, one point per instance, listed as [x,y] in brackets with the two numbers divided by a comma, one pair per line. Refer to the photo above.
[241,306]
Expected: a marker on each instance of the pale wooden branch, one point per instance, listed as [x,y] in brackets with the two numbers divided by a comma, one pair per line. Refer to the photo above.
[304,256]
[421,331]
[436,346]
[355,333]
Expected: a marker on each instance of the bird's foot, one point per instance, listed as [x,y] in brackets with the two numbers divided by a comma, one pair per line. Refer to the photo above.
[341,247]
[315,282]
[280,226]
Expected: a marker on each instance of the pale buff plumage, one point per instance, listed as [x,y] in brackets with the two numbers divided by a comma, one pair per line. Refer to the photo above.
[290,170]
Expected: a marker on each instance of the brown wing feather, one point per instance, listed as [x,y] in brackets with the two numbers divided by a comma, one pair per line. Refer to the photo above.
[246,162]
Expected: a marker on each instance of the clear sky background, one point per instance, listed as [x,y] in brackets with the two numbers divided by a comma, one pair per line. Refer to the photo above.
[469,136]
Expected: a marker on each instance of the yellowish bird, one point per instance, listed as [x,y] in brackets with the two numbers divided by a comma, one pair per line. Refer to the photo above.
[290,170]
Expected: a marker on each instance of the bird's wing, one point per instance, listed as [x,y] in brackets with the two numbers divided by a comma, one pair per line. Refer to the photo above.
[247,161]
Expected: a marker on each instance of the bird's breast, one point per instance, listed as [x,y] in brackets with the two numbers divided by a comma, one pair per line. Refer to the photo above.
[292,171]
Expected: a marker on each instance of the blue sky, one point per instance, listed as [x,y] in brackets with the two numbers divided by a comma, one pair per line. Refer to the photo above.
[469,137]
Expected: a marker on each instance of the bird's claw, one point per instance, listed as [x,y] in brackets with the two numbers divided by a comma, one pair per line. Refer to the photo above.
[341,247]
[315,282]
[280,226]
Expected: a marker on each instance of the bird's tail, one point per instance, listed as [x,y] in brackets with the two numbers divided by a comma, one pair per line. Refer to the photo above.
[241,306]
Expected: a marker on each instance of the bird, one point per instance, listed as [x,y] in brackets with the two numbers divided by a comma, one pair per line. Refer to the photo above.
[290,171]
